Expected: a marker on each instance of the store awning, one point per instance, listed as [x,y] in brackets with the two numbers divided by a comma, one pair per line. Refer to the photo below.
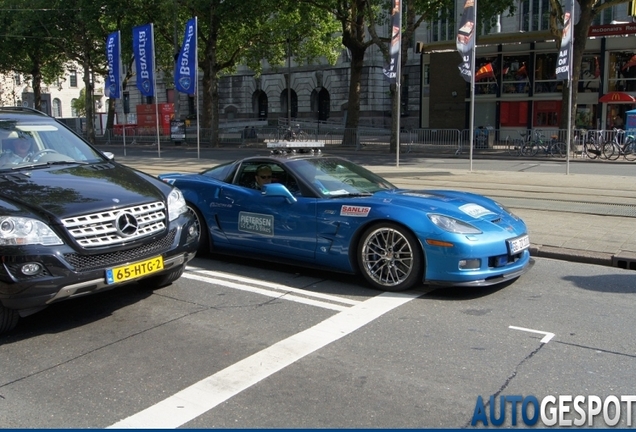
[617,97]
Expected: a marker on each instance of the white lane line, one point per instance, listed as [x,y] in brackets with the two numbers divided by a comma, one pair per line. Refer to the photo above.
[206,394]
[274,294]
[272,285]
[545,339]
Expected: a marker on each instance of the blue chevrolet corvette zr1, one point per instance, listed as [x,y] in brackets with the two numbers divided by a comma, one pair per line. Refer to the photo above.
[328,212]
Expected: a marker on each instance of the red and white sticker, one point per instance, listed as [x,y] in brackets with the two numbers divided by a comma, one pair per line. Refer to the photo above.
[355,211]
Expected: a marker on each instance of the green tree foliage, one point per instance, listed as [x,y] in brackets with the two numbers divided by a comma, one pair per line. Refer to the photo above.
[236,32]
[27,46]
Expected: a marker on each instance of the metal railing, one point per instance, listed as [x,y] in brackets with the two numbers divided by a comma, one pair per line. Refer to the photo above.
[446,141]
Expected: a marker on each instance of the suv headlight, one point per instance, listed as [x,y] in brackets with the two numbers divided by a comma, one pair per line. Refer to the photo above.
[20,231]
[453,225]
[176,204]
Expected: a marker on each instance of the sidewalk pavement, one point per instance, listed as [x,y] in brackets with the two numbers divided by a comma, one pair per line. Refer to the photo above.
[580,218]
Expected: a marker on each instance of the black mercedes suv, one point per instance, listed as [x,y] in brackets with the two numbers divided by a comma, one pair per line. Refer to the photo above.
[73,221]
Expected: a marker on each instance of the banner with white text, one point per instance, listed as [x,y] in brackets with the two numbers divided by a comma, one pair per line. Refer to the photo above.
[390,70]
[112,86]
[466,39]
[185,73]
[143,41]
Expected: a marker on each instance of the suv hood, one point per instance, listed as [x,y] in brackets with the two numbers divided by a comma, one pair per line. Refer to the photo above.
[68,191]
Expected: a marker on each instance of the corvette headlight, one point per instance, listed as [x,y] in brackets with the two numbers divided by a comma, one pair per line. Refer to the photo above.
[453,225]
[19,231]
[507,210]
[176,204]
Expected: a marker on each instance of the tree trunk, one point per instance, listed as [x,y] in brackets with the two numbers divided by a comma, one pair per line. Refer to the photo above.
[37,86]
[90,108]
[353,110]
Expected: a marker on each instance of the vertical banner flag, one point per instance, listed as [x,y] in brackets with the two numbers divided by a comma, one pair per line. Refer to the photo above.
[185,70]
[143,40]
[564,61]
[390,70]
[466,39]
[112,87]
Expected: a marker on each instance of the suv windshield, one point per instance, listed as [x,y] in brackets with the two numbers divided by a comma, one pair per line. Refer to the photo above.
[32,141]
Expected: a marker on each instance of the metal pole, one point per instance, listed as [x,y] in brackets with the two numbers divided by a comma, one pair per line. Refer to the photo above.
[398,88]
[176,54]
[472,91]
[288,83]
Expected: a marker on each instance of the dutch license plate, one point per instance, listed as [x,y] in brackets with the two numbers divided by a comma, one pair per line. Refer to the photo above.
[134,270]
[518,244]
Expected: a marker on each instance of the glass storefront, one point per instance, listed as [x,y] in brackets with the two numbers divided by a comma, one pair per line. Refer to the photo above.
[622,71]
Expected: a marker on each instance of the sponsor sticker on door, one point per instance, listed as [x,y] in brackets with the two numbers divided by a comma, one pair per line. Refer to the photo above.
[256,223]
[355,211]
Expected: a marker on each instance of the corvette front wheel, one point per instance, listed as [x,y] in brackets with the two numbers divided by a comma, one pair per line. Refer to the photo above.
[390,257]
[202,227]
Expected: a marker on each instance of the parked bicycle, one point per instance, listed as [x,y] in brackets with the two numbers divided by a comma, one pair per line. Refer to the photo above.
[621,145]
[514,145]
[594,144]
[549,148]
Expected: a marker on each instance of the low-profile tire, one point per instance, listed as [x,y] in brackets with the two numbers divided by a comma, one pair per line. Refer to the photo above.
[8,319]
[390,257]
[202,227]
[164,279]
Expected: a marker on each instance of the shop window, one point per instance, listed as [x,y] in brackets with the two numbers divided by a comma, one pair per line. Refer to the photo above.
[622,71]
[515,74]
[485,75]
[590,77]
[585,117]
[546,114]
[544,74]
[514,114]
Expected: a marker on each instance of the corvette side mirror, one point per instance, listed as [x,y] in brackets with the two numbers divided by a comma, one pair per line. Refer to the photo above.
[278,190]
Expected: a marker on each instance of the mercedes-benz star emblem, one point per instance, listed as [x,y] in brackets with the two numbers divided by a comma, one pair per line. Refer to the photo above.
[126,224]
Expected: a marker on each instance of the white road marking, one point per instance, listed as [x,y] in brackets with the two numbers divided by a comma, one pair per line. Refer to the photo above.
[258,282]
[268,293]
[206,394]
[282,293]
[545,339]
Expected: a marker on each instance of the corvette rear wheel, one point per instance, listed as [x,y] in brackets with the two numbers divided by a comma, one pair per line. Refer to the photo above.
[390,258]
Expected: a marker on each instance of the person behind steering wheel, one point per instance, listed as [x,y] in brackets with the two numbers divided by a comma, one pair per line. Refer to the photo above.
[22,147]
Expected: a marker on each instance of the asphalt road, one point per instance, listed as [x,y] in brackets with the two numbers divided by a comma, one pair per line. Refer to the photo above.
[243,344]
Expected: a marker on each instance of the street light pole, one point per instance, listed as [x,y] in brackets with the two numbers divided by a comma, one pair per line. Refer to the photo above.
[288,83]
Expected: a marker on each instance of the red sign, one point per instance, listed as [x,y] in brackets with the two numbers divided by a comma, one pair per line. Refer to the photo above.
[612,29]
[617,97]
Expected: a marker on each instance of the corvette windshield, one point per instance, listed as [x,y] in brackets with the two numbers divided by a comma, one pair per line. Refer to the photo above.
[338,177]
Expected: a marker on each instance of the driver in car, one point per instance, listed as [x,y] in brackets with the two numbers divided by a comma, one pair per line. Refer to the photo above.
[21,148]
[263,176]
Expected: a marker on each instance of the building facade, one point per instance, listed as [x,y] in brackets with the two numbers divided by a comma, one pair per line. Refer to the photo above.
[515,83]
[515,86]
[57,98]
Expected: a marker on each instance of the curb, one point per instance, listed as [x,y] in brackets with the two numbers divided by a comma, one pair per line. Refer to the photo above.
[573,255]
